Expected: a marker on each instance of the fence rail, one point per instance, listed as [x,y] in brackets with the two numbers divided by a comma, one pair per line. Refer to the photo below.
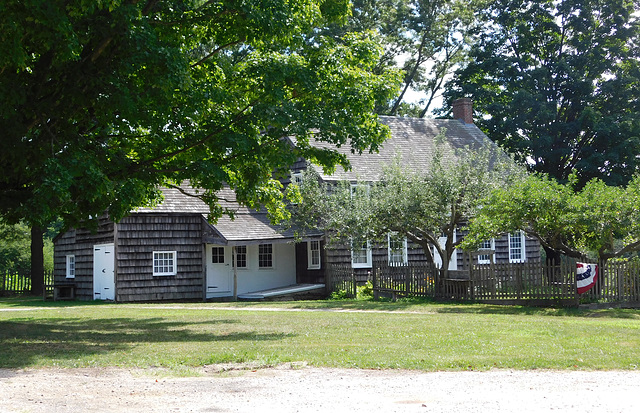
[522,283]
[12,283]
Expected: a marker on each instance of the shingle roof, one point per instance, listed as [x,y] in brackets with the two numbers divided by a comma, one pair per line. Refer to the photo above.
[413,140]
[247,225]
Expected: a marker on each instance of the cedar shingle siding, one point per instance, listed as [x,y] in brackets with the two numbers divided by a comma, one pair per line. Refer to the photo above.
[137,236]
[80,242]
[141,234]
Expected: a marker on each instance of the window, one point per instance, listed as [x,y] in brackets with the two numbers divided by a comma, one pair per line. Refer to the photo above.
[517,247]
[397,250]
[265,256]
[313,255]
[164,263]
[71,266]
[358,190]
[296,178]
[487,245]
[241,256]
[360,254]
[217,255]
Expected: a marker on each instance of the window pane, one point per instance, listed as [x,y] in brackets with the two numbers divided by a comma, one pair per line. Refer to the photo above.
[241,256]
[71,266]
[217,255]
[314,254]
[265,256]
[515,246]
[164,263]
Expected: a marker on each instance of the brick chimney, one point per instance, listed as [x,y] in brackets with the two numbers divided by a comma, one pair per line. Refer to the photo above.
[463,110]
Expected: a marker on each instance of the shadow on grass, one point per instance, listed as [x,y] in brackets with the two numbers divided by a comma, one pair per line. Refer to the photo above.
[23,342]
[25,301]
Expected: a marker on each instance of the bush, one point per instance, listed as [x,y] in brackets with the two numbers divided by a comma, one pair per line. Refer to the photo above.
[365,292]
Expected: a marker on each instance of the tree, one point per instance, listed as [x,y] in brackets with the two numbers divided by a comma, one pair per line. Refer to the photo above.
[598,219]
[425,38]
[15,256]
[419,205]
[557,84]
[102,102]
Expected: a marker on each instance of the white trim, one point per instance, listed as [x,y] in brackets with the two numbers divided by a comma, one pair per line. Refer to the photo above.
[296,178]
[355,189]
[311,254]
[390,251]
[168,266]
[517,253]
[367,256]
[442,240]
[70,266]
[486,258]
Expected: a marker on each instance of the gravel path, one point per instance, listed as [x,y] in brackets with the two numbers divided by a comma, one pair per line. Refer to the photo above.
[305,389]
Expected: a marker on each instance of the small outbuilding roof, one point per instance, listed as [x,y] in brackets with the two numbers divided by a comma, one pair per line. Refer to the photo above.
[248,226]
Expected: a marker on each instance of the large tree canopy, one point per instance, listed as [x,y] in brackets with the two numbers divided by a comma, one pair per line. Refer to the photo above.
[598,219]
[102,101]
[557,83]
[425,38]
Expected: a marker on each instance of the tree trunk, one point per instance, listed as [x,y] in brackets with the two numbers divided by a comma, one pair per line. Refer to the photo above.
[553,256]
[37,260]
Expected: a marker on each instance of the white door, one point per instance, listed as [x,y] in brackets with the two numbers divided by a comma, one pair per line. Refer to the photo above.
[219,271]
[453,264]
[104,287]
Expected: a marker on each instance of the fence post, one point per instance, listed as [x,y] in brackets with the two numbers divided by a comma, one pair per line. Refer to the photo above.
[353,283]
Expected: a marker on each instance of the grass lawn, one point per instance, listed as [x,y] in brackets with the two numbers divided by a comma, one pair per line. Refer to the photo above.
[358,334]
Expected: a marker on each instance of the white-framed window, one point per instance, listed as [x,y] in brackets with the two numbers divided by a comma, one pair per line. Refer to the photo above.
[313,255]
[265,256]
[241,256]
[296,178]
[164,263]
[358,190]
[488,245]
[517,247]
[361,254]
[71,266]
[396,250]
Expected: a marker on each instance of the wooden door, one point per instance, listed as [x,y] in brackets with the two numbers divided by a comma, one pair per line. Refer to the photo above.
[103,272]
[219,271]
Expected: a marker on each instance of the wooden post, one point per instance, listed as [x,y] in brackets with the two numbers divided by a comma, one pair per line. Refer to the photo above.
[374,283]
[353,283]
[235,273]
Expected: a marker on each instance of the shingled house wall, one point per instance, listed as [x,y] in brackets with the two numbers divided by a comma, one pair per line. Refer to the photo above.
[80,243]
[138,236]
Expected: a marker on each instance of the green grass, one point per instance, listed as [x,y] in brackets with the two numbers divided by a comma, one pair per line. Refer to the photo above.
[368,334]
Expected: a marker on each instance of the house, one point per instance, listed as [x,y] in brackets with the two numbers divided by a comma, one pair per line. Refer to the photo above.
[413,141]
[171,252]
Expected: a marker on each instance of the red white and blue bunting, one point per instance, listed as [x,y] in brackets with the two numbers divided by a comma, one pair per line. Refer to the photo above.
[587,275]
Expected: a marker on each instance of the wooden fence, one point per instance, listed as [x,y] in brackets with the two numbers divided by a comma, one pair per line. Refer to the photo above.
[19,283]
[342,278]
[529,283]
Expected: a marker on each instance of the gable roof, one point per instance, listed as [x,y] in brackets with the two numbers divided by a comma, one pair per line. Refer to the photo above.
[248,226]
[413,140]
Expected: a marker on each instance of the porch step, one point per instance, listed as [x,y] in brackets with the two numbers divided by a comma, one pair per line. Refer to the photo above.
[282,292]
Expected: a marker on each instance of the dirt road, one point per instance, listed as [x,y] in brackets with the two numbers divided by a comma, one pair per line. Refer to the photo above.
[305,389]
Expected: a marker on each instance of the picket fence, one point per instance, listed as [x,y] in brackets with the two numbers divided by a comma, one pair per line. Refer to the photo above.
[529,283]
[12,283]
